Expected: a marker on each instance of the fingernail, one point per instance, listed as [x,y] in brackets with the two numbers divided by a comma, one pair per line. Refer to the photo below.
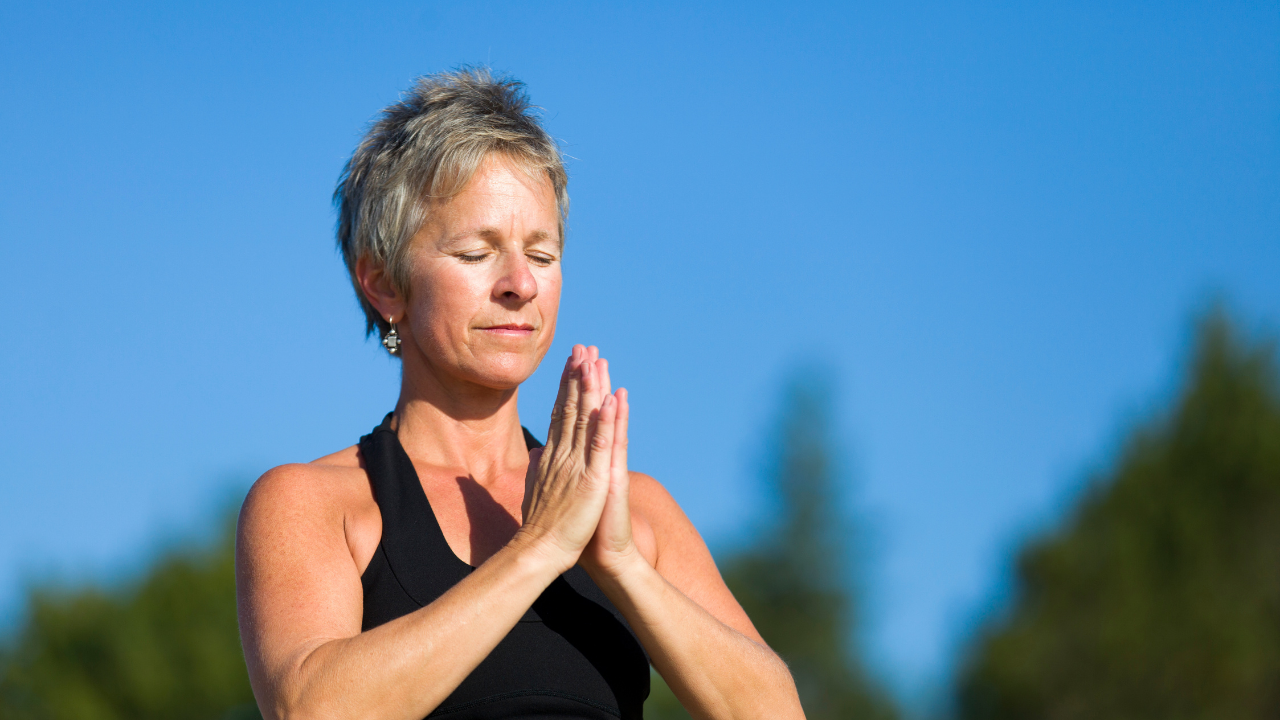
[608,402]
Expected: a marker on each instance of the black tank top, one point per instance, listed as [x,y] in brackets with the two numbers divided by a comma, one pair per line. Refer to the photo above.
[572,655]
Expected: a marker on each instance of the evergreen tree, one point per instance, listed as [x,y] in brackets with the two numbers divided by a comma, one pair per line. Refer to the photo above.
[1160,597]
[793,583]
[165,648]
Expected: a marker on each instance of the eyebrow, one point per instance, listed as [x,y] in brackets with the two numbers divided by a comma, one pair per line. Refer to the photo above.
[488,232]
[542,235]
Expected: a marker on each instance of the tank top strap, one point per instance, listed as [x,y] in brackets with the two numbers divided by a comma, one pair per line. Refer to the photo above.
[530,442]
[415,546]
[416,549]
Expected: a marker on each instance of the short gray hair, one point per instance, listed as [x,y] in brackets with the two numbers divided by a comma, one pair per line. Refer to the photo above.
[427,147]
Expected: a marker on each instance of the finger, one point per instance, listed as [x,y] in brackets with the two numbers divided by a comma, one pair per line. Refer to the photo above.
[600,452]
[591,354]
[619,460]
[572,406]
[600,385]
[586,405]
[606,385]
[557,410]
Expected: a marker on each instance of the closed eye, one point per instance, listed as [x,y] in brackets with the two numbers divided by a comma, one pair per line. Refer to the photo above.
[472,257]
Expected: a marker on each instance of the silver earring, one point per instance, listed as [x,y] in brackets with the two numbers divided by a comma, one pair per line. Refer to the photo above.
[391,341]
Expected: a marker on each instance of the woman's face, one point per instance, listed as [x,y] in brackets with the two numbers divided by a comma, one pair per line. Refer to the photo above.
[484,283]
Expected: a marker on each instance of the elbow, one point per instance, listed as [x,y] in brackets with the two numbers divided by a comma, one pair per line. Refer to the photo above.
[299,714]
[304,709]
[301,693]
[307,706]
[289,706]
[313,706]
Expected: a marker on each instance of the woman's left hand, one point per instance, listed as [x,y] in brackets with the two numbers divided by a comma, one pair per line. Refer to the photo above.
[697,636]
[613,546]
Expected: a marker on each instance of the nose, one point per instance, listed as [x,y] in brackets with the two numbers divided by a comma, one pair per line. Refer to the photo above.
[517,282]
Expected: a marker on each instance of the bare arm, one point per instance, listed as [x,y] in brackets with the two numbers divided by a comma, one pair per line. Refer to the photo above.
[307,656]
[696,633]
[301,601]
[716,670]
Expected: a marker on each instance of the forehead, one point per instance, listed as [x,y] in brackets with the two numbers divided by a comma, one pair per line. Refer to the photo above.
[502,196]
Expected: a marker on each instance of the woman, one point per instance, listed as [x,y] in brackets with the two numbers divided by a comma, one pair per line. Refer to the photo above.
[447,564]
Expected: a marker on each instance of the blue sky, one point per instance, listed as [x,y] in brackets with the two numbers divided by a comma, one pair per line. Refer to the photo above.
[993,222]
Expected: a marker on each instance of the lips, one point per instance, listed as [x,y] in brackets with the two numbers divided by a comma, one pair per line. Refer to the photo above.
[514,327]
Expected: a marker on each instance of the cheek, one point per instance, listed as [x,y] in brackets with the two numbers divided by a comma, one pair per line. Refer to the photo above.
[548,300]
[445,300]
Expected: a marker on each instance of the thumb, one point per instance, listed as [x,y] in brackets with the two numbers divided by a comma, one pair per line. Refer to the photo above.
[530,475]
[535,455]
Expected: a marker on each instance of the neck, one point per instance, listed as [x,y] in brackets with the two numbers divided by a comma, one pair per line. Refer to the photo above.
[459,425]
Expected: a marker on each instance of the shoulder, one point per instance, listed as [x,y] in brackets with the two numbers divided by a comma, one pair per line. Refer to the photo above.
[306,483]
[677,547]
[652,500]
[645,488]
[323,493]
[297,568]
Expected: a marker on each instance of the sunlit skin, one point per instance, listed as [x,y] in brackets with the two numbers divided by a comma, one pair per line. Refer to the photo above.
[478,317]
[486,283]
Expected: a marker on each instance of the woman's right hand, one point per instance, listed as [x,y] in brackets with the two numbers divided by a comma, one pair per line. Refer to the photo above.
[568,479]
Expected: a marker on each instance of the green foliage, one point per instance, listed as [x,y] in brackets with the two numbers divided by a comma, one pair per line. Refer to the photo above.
[1160,598]
[662,703]
[793,583]
[166,648]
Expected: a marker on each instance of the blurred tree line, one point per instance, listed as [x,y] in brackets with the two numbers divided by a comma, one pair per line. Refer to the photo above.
[164,648]
[793,581]
[1160,595]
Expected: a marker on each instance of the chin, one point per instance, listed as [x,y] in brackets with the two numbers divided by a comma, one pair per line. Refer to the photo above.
[504,373]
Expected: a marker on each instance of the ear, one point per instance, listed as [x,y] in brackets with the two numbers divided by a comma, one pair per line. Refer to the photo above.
[378,288]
